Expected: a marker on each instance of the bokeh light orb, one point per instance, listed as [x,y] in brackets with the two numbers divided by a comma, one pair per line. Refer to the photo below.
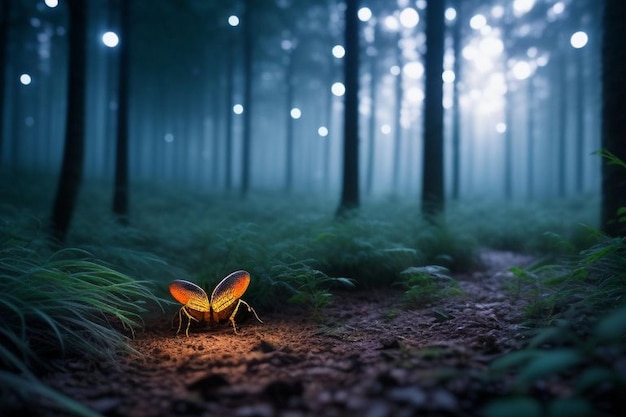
[51,3]
[322,131]
[409,18]
[110,39]
[579,39]
[237,109]
[364,14]
[338,89]
[295,113]
[25,79]
[339,51]
[233,20]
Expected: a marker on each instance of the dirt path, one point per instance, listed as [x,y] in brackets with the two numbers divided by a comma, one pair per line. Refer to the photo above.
[371,357]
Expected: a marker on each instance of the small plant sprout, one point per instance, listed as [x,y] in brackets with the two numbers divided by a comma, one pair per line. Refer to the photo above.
[225,300]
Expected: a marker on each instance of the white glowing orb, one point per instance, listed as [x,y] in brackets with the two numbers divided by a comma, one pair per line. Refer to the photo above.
[558,8]
[385,129]
[237,109]
[501,127]
[339,51]
[51,3]
[233,20]
[579,40]
[286,44]
[448,76]
[413,70]
[322,131]
[364,14]
[25,79]
[450,14]
[391,23]
[521,7]
[295,113]
[338,89]
[497,11]
[522,70]
[110,39]
[491,46]
[415,95]
[169,138]
[478,21]
[394,70]
[409,17]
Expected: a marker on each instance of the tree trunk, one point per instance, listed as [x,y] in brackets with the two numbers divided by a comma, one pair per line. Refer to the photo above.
[456,111]
[120,192]
[289,137]
[4,41]
[432,180]
[613,116]
[73,152]
[350,185]
[247,97]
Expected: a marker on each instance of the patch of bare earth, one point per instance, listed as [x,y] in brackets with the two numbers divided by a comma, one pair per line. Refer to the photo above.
[371,357]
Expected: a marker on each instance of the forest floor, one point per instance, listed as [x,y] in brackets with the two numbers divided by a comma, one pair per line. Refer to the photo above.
[368,356]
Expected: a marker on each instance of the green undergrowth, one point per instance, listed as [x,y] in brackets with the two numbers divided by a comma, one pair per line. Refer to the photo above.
[577,308]
[57,305]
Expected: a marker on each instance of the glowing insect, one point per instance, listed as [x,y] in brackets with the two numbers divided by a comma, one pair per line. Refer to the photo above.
[225,300]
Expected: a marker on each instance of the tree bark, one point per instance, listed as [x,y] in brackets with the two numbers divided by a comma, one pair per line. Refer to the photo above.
[120,192]
[73,152]
[613,117]
[247,98]
[350,184]
[4,41]
[432,179]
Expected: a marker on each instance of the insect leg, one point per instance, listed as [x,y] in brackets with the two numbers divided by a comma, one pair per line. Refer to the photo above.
[232,316]
[183,309]
[252,310]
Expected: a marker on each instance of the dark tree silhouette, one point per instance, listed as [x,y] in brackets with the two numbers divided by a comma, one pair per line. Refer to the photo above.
[613,115]
[247,96]
[350,183]
[432,180]
[120,190]
[456,111]
[74,147]
[4,41]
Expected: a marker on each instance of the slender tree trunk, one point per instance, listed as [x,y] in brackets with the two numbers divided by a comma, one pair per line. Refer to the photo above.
[73,152]
[508,145]
[432,180]
[397,129]
[613,116]
[562,116]
[289,137]
[530,138]
[580,120]
[371,148]
[4,41]
[456,113]
[350,185]
[247,98]
[230,97]
[120,192]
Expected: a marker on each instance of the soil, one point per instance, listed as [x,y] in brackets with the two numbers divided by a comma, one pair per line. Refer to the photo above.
[370,356]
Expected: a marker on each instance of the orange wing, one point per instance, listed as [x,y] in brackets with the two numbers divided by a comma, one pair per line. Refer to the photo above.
[190,295]
[229,290]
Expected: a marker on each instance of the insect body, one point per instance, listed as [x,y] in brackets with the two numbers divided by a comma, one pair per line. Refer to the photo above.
[224,303]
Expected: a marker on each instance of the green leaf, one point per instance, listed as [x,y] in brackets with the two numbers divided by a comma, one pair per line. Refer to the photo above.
[570,407]
[613,326]
[513,407]
[549,363]
[514,359]
[592,377]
